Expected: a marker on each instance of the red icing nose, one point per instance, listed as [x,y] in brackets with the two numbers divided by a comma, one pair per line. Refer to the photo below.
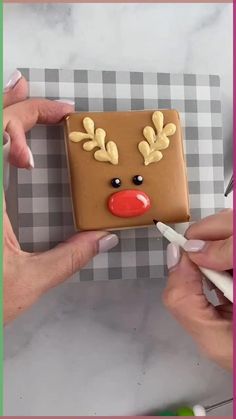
[129,203]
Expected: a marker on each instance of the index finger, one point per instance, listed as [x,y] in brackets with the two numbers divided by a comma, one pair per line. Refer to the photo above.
[215,227]
[22,116]
[36,111]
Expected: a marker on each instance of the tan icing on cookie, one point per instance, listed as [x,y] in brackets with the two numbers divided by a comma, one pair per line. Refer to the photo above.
[156,141]
[130,194]
[107,153]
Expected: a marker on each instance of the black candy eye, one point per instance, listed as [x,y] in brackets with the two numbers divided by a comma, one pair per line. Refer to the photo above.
[138,180]
[116,182]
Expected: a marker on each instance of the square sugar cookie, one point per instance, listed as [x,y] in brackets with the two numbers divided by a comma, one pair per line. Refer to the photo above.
[126,169]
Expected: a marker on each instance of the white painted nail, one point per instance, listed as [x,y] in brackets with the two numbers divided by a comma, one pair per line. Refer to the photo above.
[173,255]
[194,245]
[14,78]
[31,159]
[66,101]
[6,138]
[6,152]
[107,243]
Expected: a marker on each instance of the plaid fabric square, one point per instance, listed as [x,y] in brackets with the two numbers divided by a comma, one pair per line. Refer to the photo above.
[44,205]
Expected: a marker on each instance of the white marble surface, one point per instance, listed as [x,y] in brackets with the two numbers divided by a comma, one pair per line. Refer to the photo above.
[111,348]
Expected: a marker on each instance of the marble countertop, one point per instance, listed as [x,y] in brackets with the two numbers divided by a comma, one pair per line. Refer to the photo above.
[111,348]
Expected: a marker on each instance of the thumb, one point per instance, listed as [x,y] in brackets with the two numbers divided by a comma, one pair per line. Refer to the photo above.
[185,299]
[61,262]
[217,255]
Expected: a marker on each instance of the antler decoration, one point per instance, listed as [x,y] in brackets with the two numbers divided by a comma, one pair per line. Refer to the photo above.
[150,149]
[107,153]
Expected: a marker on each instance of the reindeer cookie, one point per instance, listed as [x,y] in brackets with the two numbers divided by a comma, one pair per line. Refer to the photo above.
[126,168]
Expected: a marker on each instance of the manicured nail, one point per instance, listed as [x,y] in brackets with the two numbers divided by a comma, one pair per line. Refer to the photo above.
[208,284]
[31,159]
[194,245]
[107,243]
[6,152]
[14,78]
[173,255]
[6,138]
[66,101]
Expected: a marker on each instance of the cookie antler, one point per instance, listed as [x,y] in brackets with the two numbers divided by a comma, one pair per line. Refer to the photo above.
[150,149]
[107,153]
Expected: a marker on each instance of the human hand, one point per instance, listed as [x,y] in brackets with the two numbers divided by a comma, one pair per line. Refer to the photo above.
[210,245]
[28,275]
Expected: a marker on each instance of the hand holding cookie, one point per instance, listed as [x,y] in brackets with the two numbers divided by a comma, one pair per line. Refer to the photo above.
[28,275]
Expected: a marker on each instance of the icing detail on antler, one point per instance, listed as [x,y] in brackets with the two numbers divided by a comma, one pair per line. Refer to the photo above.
[107,153]
[156,141]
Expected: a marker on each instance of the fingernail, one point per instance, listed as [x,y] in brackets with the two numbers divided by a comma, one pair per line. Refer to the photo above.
[173,255]
[6,138]
[14,78]
[66,101]
[6,151]
[31,159]
[194,245]
[107,243]
[208,284]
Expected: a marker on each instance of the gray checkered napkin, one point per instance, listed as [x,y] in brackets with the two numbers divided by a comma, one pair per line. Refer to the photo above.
[44,204]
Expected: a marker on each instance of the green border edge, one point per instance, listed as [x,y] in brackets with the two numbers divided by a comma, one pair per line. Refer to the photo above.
[1,213]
